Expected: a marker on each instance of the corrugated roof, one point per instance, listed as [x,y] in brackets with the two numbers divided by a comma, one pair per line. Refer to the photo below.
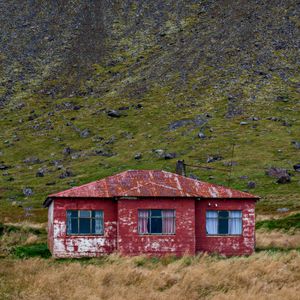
[149,183]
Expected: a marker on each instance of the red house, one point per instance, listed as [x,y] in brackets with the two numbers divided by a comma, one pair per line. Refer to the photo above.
[152,212]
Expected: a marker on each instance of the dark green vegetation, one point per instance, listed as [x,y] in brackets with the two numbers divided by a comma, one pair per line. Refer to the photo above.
[287,223]
[23,241]
[65,64]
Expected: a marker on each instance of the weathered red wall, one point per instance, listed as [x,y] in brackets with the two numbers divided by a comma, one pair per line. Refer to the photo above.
[227,245]
[131,243]
[84,245]
[50,227]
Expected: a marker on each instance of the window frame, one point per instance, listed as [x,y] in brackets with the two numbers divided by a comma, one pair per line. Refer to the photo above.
[156,217]
[90,218]
[224,234]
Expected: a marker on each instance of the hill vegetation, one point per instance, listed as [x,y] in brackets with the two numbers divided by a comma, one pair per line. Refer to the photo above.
[91,89]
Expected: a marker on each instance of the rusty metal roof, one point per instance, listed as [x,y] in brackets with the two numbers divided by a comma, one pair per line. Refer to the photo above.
[149,183]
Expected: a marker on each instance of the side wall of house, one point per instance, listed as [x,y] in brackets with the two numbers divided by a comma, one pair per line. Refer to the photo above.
[50,227]
[130,242]
[84,245]
[228,245]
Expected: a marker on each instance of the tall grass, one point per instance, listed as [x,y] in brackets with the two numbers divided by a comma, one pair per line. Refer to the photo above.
[261,276]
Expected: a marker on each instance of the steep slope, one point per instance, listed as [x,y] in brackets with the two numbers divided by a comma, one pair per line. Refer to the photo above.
[169,69]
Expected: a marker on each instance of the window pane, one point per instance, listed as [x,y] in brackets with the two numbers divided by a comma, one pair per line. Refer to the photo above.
[156,225]
[97,214]
[223,226]
[97,226]
[168,221]
[72,213]
[223,214]
[84,213]
[211,214]
[212,226]
[74,226]
[156,213]
[235,222]
[143,221]
[84,226]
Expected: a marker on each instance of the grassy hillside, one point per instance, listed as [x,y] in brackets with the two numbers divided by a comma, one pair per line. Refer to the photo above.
[228,69]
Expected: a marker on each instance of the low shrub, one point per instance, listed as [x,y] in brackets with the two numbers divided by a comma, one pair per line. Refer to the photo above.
[35,250]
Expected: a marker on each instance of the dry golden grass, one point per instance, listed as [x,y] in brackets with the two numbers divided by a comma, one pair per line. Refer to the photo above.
[260,276]
[276,238]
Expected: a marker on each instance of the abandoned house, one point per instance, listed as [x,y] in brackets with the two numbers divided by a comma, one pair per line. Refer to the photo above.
[150,212]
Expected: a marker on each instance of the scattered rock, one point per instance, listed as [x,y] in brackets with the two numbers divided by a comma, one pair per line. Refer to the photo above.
[65,174]
[193,176]
[138,106]
[170,155]
[105,153]
[230,163]
[40,172]
[3,166]
[201,135]
[32,160]
[281,175]
[284,179]
[111,140]
[283,209]
[197,121]
[97,138]
[159,152]
[67,151]
[251,185]
[297,167]
[85,133]
[113,113]
[123,108]
[213,158]
[27,191]
[296,144]
[243,123]
[138,156]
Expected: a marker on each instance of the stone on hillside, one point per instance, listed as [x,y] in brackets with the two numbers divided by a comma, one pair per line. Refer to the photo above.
[40,172]
[3,166]
[201,135]
[123,108]
[105,153]
[296,144]
[251,185]
[27,191]
[283,209]
[213,158]
[113,113]
[85,133]
[281,175]
[243,123]
[180,123]
[67,151]
[159,152]
[32,160]
[297,167]
[65,174]
[170,155]
[138,156]
[284,179]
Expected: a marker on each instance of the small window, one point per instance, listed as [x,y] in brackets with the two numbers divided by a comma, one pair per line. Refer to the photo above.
[84,222]
[224,222]
[156,221]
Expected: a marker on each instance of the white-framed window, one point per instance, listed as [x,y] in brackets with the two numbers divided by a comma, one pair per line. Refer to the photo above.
[85,222]
[224,222]
[156,221]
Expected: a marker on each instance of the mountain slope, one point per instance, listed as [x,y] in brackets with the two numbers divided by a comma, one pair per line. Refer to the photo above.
[170,69]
